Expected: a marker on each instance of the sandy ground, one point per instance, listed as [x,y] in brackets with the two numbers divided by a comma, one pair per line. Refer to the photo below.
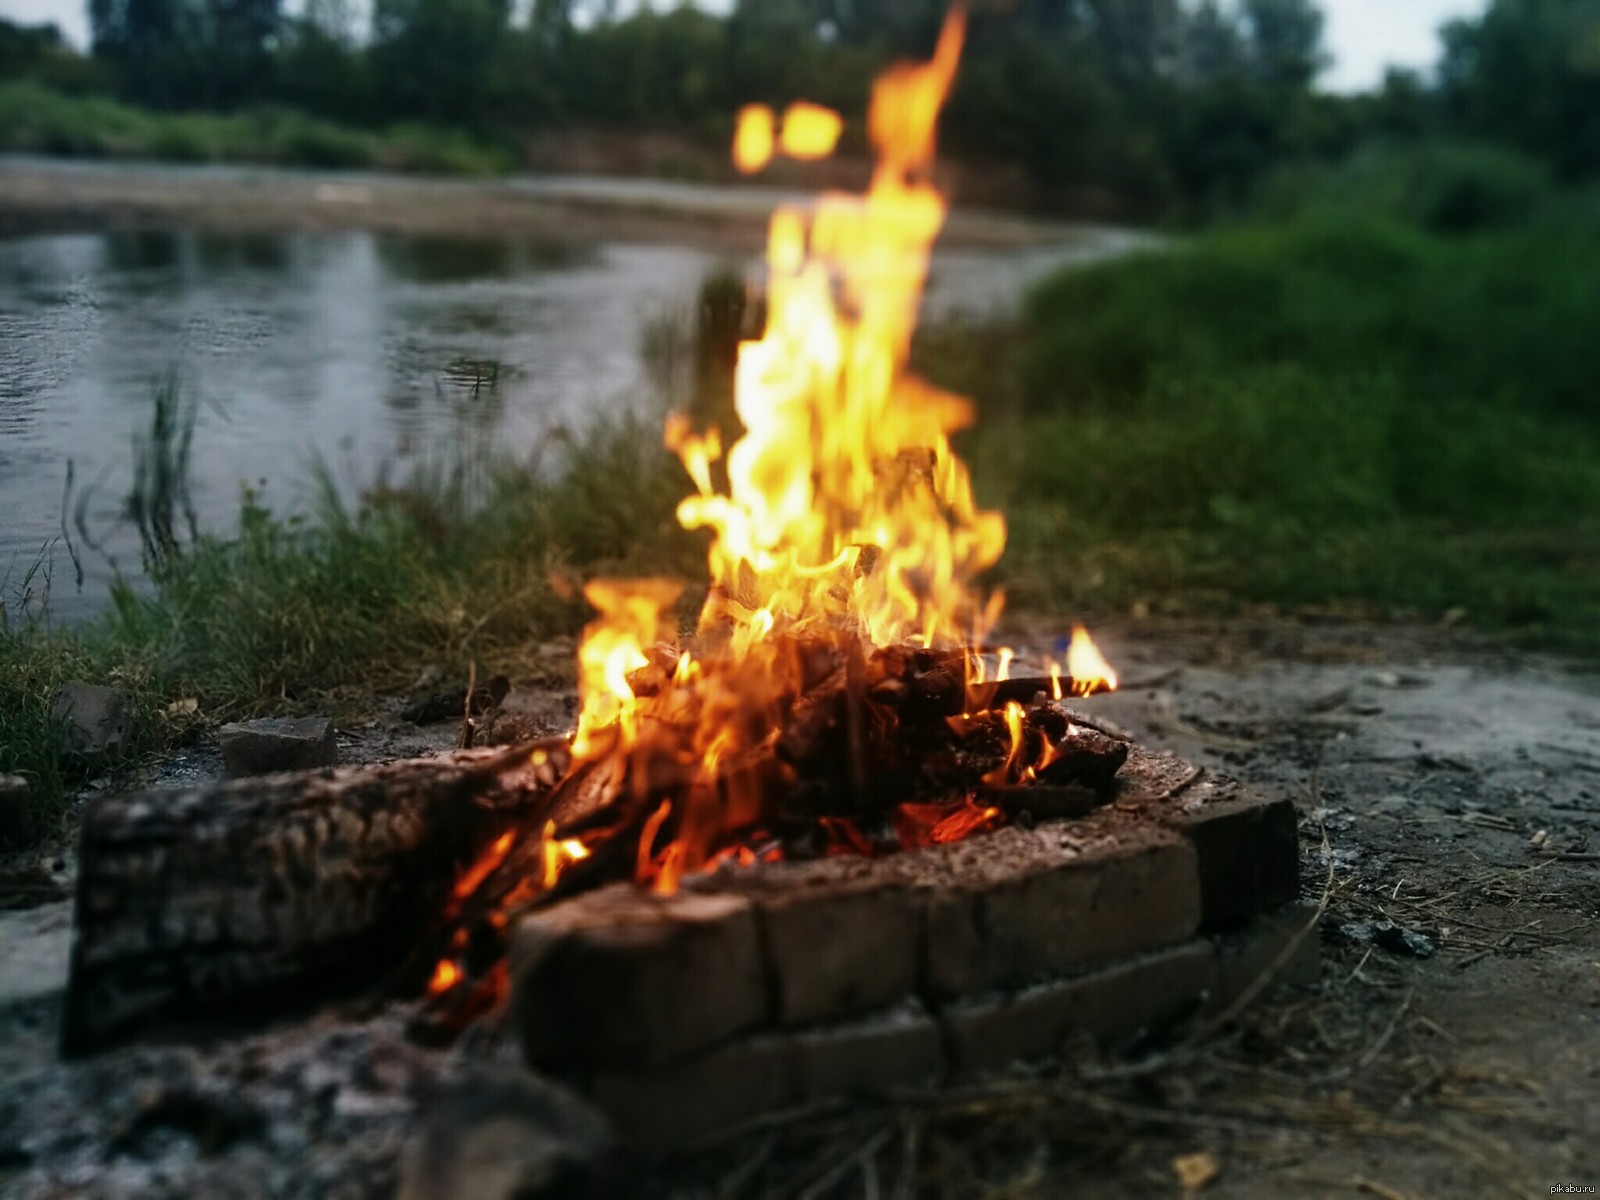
[54,195]
[1446,786]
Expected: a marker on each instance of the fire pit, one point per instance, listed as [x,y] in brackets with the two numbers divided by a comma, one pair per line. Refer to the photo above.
[833,842]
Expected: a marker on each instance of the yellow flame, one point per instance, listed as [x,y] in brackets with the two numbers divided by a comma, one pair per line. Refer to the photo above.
[559,853]
[1008,770]
[809,130]
[845,455]
[1086,666]
[753,138]
[840,514]
[612,649]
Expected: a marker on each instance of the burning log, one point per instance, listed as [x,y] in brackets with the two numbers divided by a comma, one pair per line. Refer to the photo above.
[224,896]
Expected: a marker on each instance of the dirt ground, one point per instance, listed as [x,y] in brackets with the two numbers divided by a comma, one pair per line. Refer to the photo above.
[1449,787]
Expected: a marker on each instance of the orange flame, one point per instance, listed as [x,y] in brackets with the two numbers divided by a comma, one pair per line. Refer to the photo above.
[841,514]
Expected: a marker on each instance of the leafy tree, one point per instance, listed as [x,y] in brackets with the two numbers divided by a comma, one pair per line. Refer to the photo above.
[1285,42]
[1528,73]
[435,58]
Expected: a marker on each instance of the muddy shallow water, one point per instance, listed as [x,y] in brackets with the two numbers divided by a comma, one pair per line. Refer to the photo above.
[359,344]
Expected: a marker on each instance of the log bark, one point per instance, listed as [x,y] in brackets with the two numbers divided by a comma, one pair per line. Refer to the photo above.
[271,892]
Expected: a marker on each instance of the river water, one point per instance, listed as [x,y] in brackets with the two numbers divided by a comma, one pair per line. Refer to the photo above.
[357,350]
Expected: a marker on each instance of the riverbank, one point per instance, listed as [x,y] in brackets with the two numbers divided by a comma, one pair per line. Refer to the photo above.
[44,195]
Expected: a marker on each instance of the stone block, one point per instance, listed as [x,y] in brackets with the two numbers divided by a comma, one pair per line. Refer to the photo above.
[97,720]
[275,744]
[990,1034]
[623,978]
[1058,897]
[900,1048]
[665,1110]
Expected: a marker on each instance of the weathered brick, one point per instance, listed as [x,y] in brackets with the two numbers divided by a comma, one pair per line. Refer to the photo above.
[278,744]
[1247,846]
[993,1033]
[840,948]
[899,1048]
[1244,956]
[1069,895]
[666,1109]
[622,977]
[1248,852]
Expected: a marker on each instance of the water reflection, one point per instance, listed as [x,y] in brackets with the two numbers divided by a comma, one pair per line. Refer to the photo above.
[349,348]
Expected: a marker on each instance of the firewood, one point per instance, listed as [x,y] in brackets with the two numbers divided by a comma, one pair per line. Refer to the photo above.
[1043,802]
[219,898]
[1087,757]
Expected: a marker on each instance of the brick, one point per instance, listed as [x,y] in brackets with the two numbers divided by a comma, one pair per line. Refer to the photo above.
[667,1109]
[1141,992]
[278,744]
[664,1110]
[837,947]
[1247,846]
[902,1047]
[1067,895]
[1242,957]
[1248,852]
[620,977]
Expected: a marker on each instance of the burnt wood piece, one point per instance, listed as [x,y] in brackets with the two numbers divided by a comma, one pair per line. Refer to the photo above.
[223,898]
[1043,802]
[1087,757]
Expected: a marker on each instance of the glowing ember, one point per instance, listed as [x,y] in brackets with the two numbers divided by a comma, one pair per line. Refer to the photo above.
[445,976]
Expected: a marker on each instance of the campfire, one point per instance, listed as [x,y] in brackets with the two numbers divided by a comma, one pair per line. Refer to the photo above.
[839,694]
[834,842]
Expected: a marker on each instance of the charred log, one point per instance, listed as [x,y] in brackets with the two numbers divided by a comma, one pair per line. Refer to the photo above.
[219,898]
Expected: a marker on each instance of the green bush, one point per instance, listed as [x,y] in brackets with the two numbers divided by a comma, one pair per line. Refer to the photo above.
[38,120]
[1508,316]
[1441,187]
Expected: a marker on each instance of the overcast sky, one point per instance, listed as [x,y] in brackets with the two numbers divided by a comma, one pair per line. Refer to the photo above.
[1364,36]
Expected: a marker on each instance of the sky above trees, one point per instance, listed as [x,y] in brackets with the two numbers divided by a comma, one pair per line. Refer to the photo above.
[1363,36]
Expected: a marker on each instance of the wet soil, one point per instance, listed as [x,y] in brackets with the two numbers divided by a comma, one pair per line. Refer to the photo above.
[1445,786]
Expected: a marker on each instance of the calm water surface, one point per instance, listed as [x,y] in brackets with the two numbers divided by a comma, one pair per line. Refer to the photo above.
[355,349]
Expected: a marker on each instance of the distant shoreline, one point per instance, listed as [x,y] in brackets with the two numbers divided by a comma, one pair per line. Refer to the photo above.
[45,195]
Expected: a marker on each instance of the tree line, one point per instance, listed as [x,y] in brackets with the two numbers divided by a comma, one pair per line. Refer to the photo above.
[1137,106]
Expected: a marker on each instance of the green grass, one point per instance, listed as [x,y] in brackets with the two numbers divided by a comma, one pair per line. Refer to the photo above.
[38,120]
[1344,405]
[473,561]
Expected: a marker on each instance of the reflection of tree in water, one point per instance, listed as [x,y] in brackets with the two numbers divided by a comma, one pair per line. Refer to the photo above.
[424,259]
[141,250]
[250,251]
